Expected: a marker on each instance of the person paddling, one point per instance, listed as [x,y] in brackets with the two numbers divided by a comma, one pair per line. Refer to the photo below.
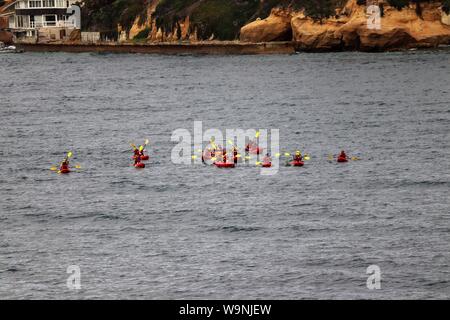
[250,146]
[224,155]
[297,157]
[267,159]
[136,152]
[235,155]
[137,158]
[342,157]
[64,165]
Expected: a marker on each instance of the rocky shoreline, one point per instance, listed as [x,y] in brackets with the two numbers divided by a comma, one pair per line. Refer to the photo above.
[214,48]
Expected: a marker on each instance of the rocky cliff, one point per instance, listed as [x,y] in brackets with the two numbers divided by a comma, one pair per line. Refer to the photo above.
[348,29]
[5,36]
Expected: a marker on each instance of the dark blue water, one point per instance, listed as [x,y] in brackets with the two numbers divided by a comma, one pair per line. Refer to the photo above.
[180,231]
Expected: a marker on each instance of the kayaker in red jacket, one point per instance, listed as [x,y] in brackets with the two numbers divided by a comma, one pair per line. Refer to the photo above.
[297,156]
[267,159]
[224,155]
[137,158]
[64,165]
[343,156]
[251,145]
[235,155]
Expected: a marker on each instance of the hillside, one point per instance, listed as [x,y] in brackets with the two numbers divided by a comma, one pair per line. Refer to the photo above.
[311,23]
[218,19]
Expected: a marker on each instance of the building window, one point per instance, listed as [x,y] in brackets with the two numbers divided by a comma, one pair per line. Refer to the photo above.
[50,20]
[35,4]
[22,21]
[48,3]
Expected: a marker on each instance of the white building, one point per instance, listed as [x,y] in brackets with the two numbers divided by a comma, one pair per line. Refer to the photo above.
[31,18]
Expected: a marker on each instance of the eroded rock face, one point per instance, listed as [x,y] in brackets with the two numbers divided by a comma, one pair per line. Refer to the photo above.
[311,35]
[399,30]
[6,37]
[276,27]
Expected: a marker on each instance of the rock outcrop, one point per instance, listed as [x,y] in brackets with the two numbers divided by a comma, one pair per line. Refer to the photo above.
[349,30]
[276,27]
[6,37]
[400,29]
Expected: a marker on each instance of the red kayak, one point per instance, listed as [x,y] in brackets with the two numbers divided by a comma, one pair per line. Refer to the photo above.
[297,163]
[341,159]
[65,170]
[224,165]
[146,157]
[139,165]
[266,165]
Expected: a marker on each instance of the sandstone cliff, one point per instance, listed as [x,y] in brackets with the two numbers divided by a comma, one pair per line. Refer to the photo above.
[276,27]
[349,30]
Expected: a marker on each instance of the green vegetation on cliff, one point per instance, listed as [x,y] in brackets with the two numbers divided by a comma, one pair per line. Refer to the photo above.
[106,15]
[446,6]
[222,19]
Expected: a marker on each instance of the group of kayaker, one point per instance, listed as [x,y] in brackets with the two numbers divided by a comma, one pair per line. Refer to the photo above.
[218,156]
[139,155]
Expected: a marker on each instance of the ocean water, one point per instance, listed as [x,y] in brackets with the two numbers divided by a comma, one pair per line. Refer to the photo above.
[175,231]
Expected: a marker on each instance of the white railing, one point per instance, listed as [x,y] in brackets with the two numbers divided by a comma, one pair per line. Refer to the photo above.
[43,4]
[44,24]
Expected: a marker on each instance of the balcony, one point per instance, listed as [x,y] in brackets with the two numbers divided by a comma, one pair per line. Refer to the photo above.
[46,24]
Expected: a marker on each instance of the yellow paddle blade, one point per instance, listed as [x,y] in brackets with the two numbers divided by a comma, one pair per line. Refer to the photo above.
[258,163]
[53,168]
[194,157]
[355,158]
[306,158]
[69,154]
[238,156]
[213,158]
[146,141]
[77,166]
[257,134]
[277,154]
[287,154]
[247,157]
[330,157]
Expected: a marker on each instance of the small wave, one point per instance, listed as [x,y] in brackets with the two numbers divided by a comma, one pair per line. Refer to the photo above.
[240,229]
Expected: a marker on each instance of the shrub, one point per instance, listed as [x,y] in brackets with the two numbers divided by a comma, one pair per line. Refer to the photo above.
[143,34]
[398,4]
[446,6]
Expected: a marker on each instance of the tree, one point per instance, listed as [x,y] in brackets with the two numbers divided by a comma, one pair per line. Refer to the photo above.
[319,9]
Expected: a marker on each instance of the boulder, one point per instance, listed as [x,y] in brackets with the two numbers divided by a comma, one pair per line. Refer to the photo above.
[6,37]
[276,27]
